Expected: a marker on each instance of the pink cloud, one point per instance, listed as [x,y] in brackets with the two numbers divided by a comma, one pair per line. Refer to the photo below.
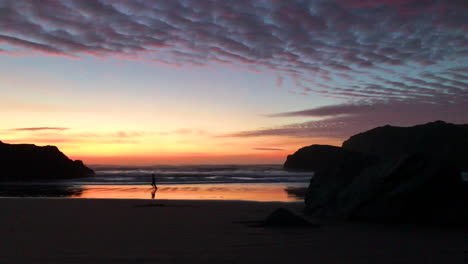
[321,41]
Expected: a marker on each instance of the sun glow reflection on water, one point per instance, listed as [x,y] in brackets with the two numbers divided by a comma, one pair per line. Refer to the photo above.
[248,192]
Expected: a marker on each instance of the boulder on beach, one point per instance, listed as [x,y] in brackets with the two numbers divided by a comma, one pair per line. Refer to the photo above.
[407,189]
[282,217]
[30,162]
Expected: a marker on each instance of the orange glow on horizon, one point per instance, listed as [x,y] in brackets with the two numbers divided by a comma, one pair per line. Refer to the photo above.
[160,151]
[184,159]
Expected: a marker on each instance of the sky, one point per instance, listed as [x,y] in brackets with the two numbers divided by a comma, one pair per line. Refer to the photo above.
[224,82]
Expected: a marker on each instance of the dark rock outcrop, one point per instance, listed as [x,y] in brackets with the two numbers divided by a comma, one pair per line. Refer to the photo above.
[319,157]
[29,162]
[282,217]
[413,188]
[397,174]
[85,170]
[437,139]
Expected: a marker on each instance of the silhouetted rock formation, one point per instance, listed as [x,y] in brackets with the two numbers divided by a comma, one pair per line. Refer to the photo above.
[438,139]
[404,174]
[282,217]
[30,162]
[414,188]
[318,157]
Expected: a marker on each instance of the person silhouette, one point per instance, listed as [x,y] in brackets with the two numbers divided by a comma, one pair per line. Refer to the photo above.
[153,193]
[153,181]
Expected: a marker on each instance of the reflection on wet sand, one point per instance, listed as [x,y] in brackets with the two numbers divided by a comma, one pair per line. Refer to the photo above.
[250,192]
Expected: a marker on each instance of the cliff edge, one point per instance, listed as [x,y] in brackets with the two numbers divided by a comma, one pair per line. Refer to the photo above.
[30,162]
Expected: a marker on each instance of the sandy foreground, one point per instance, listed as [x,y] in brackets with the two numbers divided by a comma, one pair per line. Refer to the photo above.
[164,231]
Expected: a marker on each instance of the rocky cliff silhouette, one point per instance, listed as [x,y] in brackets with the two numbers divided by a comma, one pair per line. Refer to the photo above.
[30,162]
[438,139]
[390,174]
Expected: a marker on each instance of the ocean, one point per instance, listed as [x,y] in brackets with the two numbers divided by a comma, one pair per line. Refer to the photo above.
[200,174]
[200,182]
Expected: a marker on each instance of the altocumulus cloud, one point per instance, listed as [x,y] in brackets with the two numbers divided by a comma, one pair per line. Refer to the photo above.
[381,57]
[349,49]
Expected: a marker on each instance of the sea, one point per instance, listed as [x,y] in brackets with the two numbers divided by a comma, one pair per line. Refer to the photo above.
[200,182]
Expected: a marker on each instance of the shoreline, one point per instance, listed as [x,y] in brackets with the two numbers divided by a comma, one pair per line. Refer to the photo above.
[149,200]
[245,192]
[63,230]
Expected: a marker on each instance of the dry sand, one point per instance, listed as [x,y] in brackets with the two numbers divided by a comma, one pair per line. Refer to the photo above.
[142,231]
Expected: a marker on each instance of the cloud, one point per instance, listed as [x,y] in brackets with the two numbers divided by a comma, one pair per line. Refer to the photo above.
[63,135]
[332,110]
[32,129]
[51,140]
[330,48]
[32,45]
[184,131]
[268,149]
[344,120]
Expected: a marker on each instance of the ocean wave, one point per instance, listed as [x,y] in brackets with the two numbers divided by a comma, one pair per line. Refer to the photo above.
[194,174]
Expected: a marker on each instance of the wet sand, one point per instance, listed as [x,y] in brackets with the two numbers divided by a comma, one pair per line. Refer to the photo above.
[59,230]
[265,192]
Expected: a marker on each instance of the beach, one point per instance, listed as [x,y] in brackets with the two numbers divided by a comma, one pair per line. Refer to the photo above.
[63,230]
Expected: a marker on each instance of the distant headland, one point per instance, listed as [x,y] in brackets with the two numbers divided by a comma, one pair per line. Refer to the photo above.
[26,162]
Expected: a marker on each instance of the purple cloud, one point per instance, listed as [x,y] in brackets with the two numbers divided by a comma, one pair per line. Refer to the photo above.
[39,129]
[268,149]
[332,110]
[353,50]
[342,121]
[32,45]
